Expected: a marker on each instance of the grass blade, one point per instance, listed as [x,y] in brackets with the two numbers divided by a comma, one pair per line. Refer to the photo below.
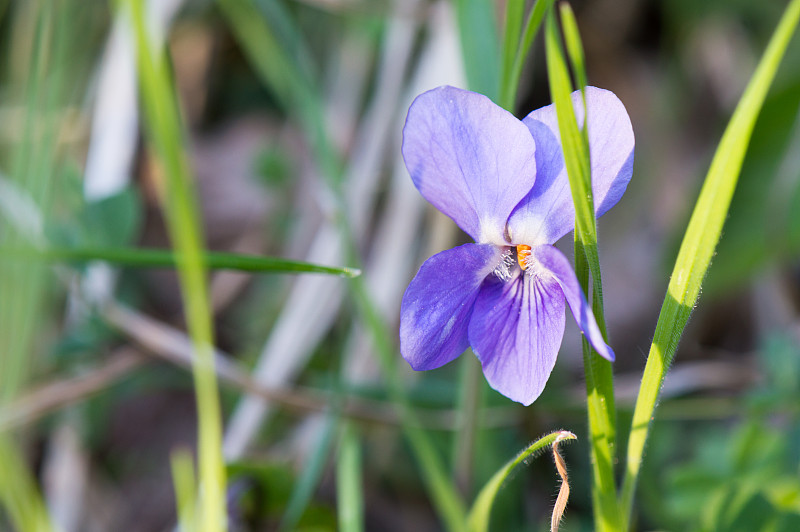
[699,243]
[479,44]
[443,492]
[255,34]
[511,79]
[310,476]
[511,34]
[280,72]
[599,377]
[185,485]
[481,510]
[164,258]
[18,492]
[349,492]
[164,128]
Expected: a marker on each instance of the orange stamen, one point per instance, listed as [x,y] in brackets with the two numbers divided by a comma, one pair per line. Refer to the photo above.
[523,256]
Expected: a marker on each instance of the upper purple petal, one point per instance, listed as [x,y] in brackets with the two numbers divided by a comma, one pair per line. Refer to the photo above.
[516,331]
[471,159]
[437,305]
[547,212]
[556,263]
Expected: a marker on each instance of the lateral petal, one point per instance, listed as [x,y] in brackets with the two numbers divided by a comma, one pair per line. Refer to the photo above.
[516,331]
[547,212]
[437,305]
[468,157]
[559,266]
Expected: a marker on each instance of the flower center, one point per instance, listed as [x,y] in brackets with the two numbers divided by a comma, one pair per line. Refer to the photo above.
[523,256]
[509,262]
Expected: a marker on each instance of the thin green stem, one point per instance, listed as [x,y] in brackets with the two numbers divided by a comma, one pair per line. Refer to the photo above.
[698,246]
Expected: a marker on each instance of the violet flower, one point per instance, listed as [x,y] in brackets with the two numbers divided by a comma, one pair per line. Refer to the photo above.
[503,181]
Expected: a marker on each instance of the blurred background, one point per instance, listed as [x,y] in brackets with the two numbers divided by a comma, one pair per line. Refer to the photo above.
[293,112]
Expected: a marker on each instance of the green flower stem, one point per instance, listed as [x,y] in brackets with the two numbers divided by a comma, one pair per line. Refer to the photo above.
[697,248]
[183,222]
[599,377]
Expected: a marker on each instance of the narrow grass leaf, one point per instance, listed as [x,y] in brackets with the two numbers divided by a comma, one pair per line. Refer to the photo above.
[271,63]
[163,258]
[599,377]
[512,78]
[444,496]
[481,510]
[18,493]
[310,476]
[349,492]
[282,74]
[479,44]
[699,243]
[572,39]
[184,484]
[164,128]
[512,29]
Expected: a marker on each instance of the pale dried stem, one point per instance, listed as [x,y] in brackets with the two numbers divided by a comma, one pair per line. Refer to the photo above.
[563,492]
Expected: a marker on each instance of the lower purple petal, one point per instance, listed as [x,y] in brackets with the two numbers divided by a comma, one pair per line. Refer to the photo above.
[516,331]
[437,305]
[554,261]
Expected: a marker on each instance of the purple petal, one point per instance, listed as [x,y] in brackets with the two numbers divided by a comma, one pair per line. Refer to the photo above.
[556,263]
[516,331]
[471,159]
[437,305]
[547,213]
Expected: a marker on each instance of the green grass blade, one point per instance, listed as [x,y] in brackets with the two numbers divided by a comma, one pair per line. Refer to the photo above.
[481,510]
[699,243]
[479,45]
[572,39]
[164,258]
[349,491]
[511,79]
[185,488]
[280,72]
[18,493]
[164,128]
[270,61]
[310,476]
[512,29]
[445,497]
[599,377]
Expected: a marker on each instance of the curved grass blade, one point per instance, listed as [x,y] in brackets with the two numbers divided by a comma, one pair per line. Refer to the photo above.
[163,258]
[478,520]
[699,243]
